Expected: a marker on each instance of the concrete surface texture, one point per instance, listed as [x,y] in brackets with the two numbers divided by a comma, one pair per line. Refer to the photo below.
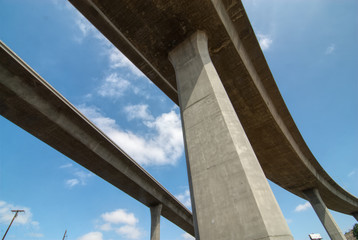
[155,212]
[31,103]
[146,31]
[324,215]
[232,197]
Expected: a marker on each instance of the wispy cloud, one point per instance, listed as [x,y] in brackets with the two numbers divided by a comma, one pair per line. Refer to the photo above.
[113,86]
[303,207]
[119,68]
[118,60]
[265,41]
[330,49]
[72,182]
[139,111]
[115,57]
[92,236]
[184,198]
[83,25]
[87,30]
[35,235]
[83,176]
[63,5]
[164,146]
[79,177]
[351,173]
[116,85]
[68,165]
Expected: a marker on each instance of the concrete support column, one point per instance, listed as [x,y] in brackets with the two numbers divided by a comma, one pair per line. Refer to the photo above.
[155,212]
[231,198]
[324,215]
[355,215]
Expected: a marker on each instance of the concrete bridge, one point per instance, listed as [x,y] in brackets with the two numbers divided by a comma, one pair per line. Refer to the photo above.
[235,121]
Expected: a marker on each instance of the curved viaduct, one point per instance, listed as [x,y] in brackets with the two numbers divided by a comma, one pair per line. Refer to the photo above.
[146,31]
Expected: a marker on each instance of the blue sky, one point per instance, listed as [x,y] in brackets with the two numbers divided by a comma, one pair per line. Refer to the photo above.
[310,46]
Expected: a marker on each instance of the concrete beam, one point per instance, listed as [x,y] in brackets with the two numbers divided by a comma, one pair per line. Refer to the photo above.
[155,212]
[232,198]
[355,215]
[30,102]
[324,215]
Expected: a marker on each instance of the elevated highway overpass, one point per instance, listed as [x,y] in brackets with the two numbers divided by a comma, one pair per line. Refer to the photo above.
[146,32]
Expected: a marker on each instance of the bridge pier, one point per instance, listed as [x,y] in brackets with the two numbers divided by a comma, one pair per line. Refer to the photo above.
[155,212]
[324,215]
[230,194]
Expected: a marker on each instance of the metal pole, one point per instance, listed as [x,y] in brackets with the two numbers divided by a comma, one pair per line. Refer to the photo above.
[16,212]
[64,235]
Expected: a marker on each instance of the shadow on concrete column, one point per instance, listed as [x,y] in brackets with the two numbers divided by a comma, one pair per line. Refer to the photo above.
[155,212]
[230,194]
[355,215]
[324,215]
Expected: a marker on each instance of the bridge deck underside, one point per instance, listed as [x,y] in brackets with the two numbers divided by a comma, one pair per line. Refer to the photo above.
[145,31]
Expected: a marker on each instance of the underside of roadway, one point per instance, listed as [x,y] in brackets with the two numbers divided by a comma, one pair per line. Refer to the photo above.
[146,31]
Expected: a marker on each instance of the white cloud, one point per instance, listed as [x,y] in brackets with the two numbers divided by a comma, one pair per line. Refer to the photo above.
[92,236]
[170,136]
[36,235]
[330,49]
[86,29]
[68,165]
[187,236]
[119,216]
[106,227]
[165,146]
[122,222]
[79,177]
[118,60]
[352,173]
[302,207]
[265,41]
[72,182]
[184,198]
[83,176]
[115,57]
[63,5]
[23,218]
[113,86]
[139,111]
[83,25]
[128,231]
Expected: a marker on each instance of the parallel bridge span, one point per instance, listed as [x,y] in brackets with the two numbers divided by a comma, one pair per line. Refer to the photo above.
[30,102]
